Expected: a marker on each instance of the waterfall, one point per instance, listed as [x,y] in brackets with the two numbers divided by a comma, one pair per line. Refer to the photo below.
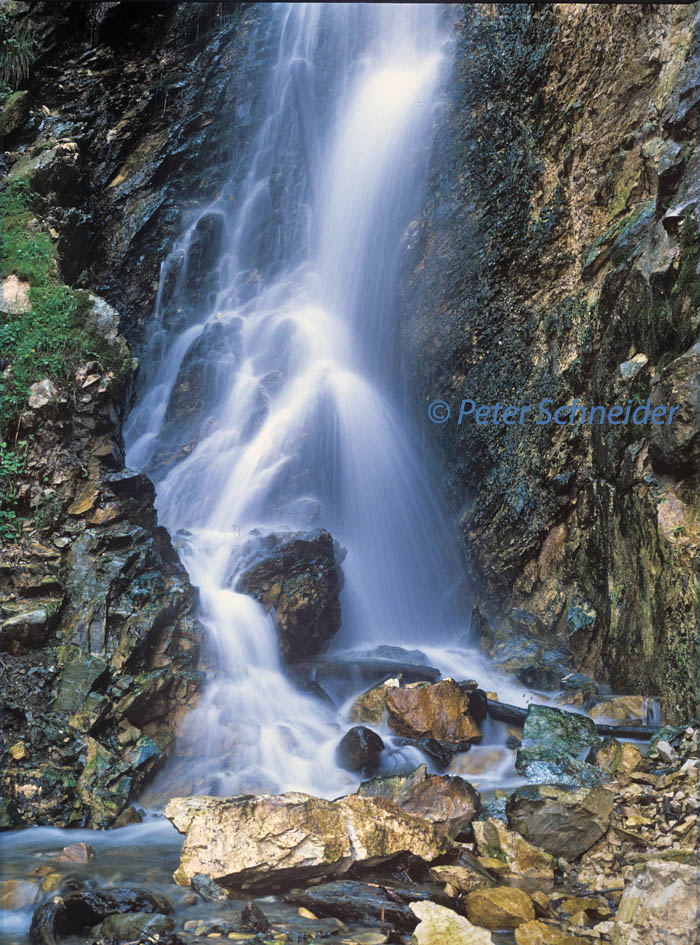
[269,399]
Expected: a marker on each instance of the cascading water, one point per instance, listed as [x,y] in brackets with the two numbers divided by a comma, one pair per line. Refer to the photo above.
[271,378]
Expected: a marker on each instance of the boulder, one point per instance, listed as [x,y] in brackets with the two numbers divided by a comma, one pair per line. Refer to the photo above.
[54,173]
[77,853]
[614,758]
[558,730]
[460,878]
[434,710]
[449,802]
[354,901]
[269,841]
[359,750]
[370,707]
[253,918]
[75,912]
[538,933]
[14,112]
[659,905]
[524,861]
[14,296]
[441,926]
[135,926]
[499,907]
[542,765]
[297,577]
[564,822]
[208,889]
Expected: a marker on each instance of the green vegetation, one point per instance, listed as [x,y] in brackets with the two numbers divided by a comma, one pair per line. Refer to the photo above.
[17,48]
[48,341]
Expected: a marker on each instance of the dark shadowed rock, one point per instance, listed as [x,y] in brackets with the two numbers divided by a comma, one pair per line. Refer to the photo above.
[252,917]
[297,577]
[359,750]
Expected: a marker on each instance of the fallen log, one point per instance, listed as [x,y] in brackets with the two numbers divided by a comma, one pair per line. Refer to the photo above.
[514,715]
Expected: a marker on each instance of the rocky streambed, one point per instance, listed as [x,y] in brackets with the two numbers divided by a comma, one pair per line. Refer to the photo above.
[596,844]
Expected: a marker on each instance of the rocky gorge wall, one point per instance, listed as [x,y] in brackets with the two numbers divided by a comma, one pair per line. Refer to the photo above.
[121,120]
[557,257]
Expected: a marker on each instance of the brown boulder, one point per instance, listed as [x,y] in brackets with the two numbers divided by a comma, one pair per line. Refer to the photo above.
[499,907]
[434,710]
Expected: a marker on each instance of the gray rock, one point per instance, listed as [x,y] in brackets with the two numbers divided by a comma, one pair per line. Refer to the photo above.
[562,821]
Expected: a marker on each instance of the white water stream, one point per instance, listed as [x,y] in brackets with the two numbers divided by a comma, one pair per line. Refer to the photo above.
[294,346]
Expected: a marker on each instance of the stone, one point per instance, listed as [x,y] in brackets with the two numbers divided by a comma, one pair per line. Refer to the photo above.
[18,893]
[461,878]
[449,802]
[564,822]
[28,625]
[523,859]
[42,394]
[53,173]
[18,751]
[297,577]
[14,112]
[615,758]
[630,369]
[255,842]
[539,933]
[208,889]
[542,765]
[131,815]
[253,918]
[14,296]
[434,710]
[77,853]
[558,730]
[659,905]
[359,750]
[370,707]
[74,912]
[621,709]
[441,926]
[136,926]
[365,903]
[499,907]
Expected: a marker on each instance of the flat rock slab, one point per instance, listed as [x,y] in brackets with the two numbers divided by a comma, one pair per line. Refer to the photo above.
[273,841]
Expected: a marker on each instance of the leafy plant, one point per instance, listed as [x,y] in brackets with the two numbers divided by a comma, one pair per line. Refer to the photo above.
[18,48]
[12,463]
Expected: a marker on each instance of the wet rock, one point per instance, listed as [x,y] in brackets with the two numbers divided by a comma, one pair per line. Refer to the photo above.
[562,821]
[77,853]
[539,933]
[500,907]
[132,815]
[523,859]
[297,577]
[14,112]
[18,893]
[28,625]
[370,707]
[253,918]
[551,739]
[439,710]
[133,927]
[546,766]
[266,841]
[208,889]
[79,910]
[660,904]
[360,750]
[565,732]
[440,753]
[631,709]
[449,802]
[355,901]
[441,926]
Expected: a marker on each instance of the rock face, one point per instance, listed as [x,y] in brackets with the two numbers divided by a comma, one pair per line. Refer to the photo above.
[97,607]
[438,710]
[559,244]
[659,905]
[297,577]
[563,822]
[449,802]
[275,841]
